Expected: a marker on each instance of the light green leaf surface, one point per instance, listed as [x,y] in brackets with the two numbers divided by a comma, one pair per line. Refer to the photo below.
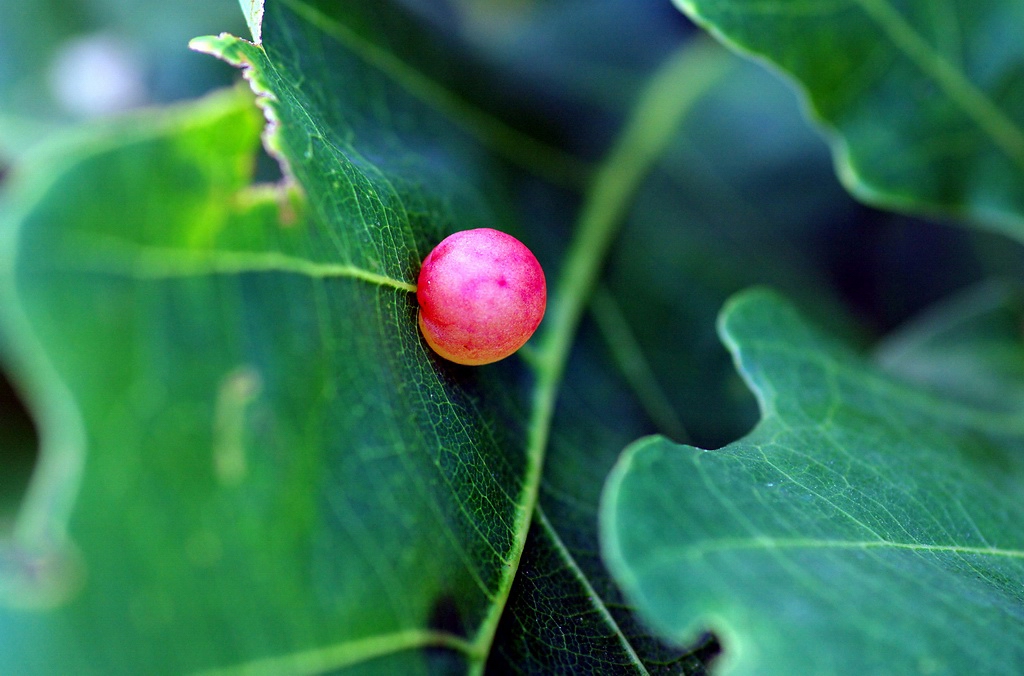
[862,527]
[927,98]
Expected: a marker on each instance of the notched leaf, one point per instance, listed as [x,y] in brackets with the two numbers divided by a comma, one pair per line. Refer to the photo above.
[240,53]
[863,526]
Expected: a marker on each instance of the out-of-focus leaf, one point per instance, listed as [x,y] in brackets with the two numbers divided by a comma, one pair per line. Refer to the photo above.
[969,348]
[68,59]
[927,99]
[862,527]
[709,223]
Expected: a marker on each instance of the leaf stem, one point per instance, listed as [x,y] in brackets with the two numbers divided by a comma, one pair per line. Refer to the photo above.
[670,95]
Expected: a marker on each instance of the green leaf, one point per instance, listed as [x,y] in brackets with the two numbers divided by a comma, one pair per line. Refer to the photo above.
[862,527]
[252,453]
[927,99]
[269,463]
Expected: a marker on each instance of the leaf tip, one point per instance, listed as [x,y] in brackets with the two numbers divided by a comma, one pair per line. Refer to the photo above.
[745,305]
[253,10]
[214,45]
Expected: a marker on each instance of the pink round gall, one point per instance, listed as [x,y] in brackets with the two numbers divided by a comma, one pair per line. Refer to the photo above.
[482,294]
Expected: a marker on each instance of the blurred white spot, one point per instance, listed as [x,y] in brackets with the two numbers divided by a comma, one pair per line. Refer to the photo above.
[97,75]
[238,389]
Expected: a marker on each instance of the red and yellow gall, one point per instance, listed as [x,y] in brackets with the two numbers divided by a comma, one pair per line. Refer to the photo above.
[482,294]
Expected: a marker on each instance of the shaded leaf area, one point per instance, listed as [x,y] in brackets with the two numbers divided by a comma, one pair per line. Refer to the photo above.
[747,195]
[708,223]
[927,100]
[863,526]
[18,450]
[574,66]
[565,613]
[270,462]
[557,622]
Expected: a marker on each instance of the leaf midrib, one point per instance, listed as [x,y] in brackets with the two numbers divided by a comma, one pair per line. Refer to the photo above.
[669,96]
[110,256]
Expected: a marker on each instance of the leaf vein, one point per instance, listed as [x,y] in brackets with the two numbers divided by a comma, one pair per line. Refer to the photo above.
[150,262]
[1006,135]
[599,606]
[769,543]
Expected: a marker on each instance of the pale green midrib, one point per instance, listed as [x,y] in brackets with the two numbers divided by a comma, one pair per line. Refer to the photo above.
[768,544]
[164,263]
[596,600]
[1001,129]
[664,103]
[343,655]
[520,148]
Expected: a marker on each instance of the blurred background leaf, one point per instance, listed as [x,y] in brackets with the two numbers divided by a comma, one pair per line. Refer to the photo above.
[926,100]
[969,348]
[65,62]
[68,61]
